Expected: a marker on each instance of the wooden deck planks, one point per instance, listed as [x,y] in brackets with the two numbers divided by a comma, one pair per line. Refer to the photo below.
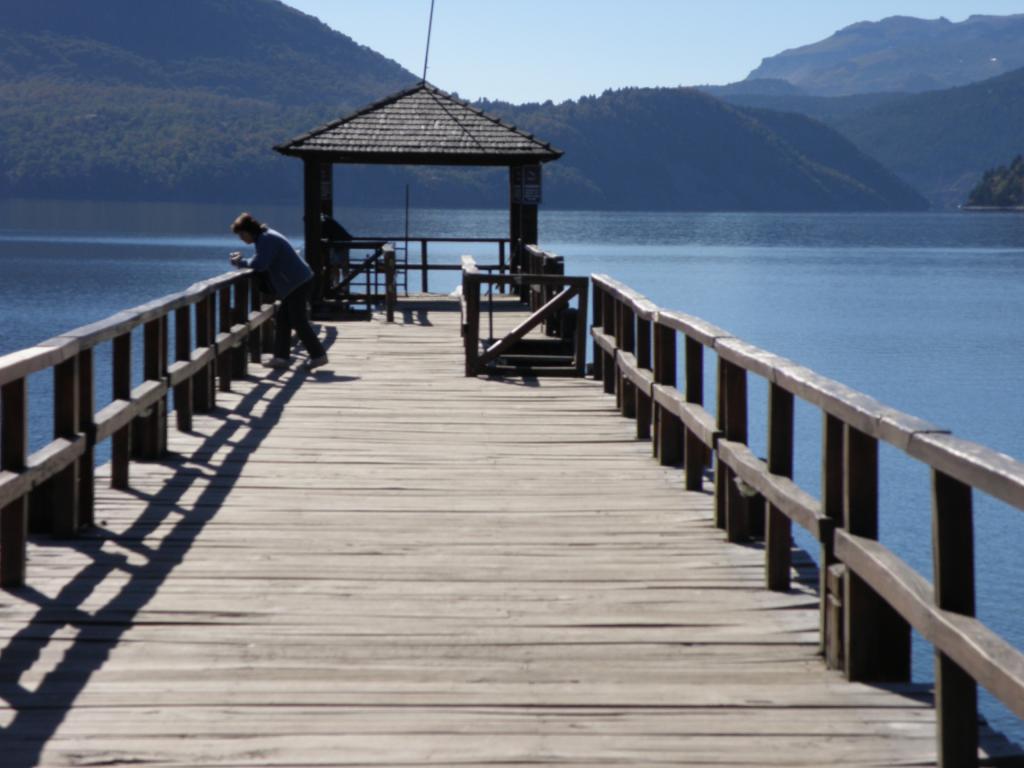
[387,563]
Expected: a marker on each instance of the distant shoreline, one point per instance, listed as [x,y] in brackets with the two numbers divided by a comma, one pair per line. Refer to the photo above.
[992,208]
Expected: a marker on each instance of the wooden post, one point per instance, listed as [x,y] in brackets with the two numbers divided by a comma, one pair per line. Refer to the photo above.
[722,473]
[778,542]
[87,426]
[13,454]
[643,360]
[471,295]
[515,227]
[531,266]
[956,693]
[694,453]
[373,271]
[597,307]
[327,189]
[255,304]
[580,341]
[523,220]
[528,224]
[609,368]
[667,433]
[390,287]
[612,378]
[734,428]
[152,427]
[876,639]
[121,441]
[224,357]
[552,266]
[63,487]
[183,352]
[203,390]
[240,315]
[312,207]
[625,329]
[830,618]
[424,282]
[165,337]
[502,268]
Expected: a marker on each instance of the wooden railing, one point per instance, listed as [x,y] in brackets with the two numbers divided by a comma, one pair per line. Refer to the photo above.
[424,267]
[557,292]
[52,489]
[870,598]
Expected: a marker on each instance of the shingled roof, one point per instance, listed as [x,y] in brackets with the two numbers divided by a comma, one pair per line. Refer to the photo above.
[422,125]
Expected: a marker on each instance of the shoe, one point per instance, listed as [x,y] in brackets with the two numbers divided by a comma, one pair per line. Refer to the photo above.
[277,362]
[315,362]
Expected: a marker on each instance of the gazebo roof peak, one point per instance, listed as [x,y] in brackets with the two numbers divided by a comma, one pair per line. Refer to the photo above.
[421,125]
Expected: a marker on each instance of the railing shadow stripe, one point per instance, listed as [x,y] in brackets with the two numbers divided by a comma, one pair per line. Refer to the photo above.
[40,712]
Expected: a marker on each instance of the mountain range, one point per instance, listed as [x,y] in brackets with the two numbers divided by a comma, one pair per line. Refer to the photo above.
[126,100]
[940,142]
[722,158]
[901,54]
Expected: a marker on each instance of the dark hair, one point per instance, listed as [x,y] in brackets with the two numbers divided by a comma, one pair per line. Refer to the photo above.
[246,223]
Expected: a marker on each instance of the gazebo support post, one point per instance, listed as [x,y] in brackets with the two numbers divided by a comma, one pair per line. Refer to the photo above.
[313,197]
[515,244]
[522,222]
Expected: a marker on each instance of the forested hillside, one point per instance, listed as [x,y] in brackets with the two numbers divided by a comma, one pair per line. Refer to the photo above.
[940,142]
[680,149]
[181,100]
[1001,187]
[260,49]
[122,99]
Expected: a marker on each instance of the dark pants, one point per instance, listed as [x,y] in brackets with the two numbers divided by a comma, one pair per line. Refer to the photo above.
[292,314]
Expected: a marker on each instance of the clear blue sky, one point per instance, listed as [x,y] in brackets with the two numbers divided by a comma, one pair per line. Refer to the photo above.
[533,50]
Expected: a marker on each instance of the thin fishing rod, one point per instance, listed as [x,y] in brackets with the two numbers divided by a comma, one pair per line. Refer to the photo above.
[430,27]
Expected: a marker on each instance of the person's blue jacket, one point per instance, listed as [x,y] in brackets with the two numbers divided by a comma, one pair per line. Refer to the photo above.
[285,268]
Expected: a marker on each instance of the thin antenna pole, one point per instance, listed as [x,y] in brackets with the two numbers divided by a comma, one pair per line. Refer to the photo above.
[430,27]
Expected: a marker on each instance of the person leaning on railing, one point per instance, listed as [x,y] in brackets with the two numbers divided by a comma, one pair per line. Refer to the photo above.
[291,279]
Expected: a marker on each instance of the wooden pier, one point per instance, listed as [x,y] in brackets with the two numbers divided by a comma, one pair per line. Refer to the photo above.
[389,562]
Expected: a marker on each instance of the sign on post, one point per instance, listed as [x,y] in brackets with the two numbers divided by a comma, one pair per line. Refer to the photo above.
[526,184]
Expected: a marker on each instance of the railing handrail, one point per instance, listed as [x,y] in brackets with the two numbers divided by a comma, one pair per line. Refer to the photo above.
[47,353]
[883,596]
[427,238]
[225,316]
[983,468]
[424,267]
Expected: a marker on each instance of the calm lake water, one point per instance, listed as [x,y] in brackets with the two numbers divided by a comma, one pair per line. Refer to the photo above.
[923,311]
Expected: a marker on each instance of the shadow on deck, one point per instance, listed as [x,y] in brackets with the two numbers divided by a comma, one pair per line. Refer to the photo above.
[420,567]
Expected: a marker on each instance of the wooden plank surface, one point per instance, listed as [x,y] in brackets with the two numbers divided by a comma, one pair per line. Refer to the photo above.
[387,563]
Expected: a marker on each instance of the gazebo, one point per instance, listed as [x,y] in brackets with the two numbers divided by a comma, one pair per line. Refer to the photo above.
[421,125]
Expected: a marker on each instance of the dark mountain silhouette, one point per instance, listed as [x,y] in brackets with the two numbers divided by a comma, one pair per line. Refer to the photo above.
[680,149]
[124,99]
[1001,187]
[241,49]
[827,109]
[902,54]
[940,141]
